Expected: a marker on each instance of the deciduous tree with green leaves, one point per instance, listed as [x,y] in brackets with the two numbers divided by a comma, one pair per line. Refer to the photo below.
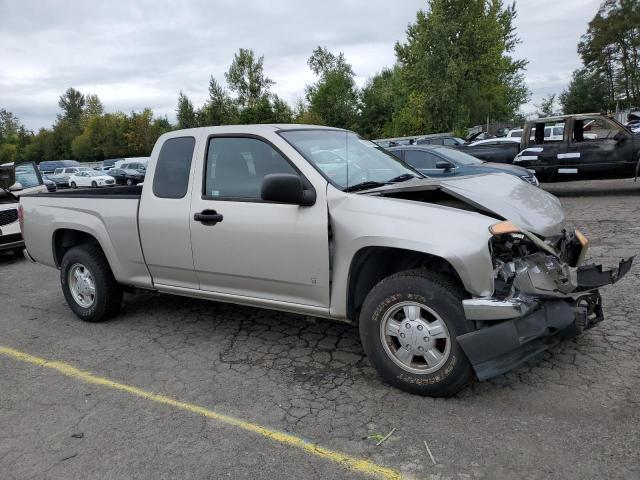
[458,67]
[334,99]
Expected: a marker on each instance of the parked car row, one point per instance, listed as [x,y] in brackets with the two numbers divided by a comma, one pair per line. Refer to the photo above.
[128,173]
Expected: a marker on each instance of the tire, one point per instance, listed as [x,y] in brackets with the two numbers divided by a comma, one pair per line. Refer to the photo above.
[107,298]
[73,185]
[94,185]
[129,182]
[417,301]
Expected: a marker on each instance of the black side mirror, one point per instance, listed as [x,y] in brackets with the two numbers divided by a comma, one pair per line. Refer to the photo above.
[443,165]
[286,188]
[619,137]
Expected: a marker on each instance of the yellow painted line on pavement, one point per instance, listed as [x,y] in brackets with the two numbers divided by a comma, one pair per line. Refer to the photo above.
[347,461]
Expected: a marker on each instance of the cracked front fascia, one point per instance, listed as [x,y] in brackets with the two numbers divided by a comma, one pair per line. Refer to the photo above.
[458,236]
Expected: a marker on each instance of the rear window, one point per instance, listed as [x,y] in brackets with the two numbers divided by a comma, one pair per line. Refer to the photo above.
[171,178]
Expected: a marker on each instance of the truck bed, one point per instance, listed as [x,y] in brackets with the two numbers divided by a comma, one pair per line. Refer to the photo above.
[109,215]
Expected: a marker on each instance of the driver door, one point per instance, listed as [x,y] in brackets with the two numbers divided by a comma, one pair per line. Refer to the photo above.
[256,249]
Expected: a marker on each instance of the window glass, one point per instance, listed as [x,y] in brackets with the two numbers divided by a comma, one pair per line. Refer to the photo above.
[516,134]
[171,178]
[597,128]
[358,160]
[27,176]
[449,141]
[558,131]
[236,167]
[420,159]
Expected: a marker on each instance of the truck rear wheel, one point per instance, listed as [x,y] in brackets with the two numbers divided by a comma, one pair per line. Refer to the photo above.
[408,326]
[89,287]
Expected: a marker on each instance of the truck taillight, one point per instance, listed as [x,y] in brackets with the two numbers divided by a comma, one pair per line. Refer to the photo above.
[21,219]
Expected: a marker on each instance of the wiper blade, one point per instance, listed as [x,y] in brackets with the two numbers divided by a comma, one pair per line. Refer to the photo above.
[402,178]
[364,186]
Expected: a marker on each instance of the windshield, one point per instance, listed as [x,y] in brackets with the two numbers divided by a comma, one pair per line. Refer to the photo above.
[458,157]
[93,173]
[346,159]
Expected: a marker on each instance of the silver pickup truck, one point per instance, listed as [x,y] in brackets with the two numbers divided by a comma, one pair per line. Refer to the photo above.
[446,279]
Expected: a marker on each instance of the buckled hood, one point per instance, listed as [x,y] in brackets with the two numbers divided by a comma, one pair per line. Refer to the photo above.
[502,195]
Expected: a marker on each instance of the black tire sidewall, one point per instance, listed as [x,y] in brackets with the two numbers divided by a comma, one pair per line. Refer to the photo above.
[94,184]
[129,182]
[98,311]
[441,296]
[73,185]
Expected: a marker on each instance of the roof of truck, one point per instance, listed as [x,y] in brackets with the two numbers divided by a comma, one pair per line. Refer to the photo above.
[560,118]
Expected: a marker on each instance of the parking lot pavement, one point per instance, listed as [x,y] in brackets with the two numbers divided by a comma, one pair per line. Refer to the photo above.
[572,415]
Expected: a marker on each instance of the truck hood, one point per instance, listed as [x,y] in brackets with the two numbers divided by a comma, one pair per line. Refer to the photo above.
[501,195]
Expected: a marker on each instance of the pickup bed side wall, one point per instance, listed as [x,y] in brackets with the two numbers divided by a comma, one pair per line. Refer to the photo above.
[111,221]
[459,237]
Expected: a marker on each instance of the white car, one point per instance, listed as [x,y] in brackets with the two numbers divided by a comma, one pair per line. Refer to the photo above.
[90,178]
[27,180]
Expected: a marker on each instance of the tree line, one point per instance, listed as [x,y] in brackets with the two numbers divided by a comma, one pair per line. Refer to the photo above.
[609,78]
[454,69]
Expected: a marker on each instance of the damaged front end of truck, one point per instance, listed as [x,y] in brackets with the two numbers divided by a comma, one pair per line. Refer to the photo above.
[543,294]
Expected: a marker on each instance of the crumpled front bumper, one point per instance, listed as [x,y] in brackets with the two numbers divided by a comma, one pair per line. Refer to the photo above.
[519,328]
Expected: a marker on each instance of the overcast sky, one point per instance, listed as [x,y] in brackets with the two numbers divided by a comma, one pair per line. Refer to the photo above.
[141,54]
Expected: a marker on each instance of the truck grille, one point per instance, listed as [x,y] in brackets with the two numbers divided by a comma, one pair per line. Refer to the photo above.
[8,216]
[14,237]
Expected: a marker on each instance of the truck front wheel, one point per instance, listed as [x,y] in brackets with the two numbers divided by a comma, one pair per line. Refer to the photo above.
[89,287]
[408,326]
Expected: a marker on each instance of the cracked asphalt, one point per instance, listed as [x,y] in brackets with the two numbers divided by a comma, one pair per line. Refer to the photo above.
[572,415]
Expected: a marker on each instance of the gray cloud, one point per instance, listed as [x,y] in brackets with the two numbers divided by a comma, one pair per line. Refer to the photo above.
[139,54]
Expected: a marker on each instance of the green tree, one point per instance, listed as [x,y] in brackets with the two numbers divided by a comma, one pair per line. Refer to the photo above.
[185,113]
[457,65]
[219,109]
[547,106]
[611,48]
[334,99]
[72,103]
[246,78]
[587,92]
[381,98]
[92,108]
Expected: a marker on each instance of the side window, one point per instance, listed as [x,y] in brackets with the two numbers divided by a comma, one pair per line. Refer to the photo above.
[27,176]
[449,141]
[236,166]
[597,128]
[420,159]
[171,178]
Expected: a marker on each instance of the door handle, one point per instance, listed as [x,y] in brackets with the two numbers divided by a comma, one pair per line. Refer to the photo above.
[208,217]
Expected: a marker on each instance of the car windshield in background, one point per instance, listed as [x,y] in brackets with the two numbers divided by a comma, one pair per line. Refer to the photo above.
[459,157]
[93,173]
[348,160]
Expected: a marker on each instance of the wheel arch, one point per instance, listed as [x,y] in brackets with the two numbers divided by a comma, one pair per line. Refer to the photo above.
[371,264]
[63,239]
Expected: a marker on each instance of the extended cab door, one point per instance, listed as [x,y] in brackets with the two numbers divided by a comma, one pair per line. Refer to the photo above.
[600,148]
[163,216]
[244,247]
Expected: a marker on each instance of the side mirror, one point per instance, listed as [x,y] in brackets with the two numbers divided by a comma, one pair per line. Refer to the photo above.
[7,176]
[286,188]
[443,165]
[16,187]
[619,137]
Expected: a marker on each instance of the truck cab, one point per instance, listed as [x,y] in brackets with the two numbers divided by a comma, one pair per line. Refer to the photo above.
[585,146]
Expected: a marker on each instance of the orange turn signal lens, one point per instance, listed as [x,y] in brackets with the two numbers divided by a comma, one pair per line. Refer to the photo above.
[581,238]
[503,228]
